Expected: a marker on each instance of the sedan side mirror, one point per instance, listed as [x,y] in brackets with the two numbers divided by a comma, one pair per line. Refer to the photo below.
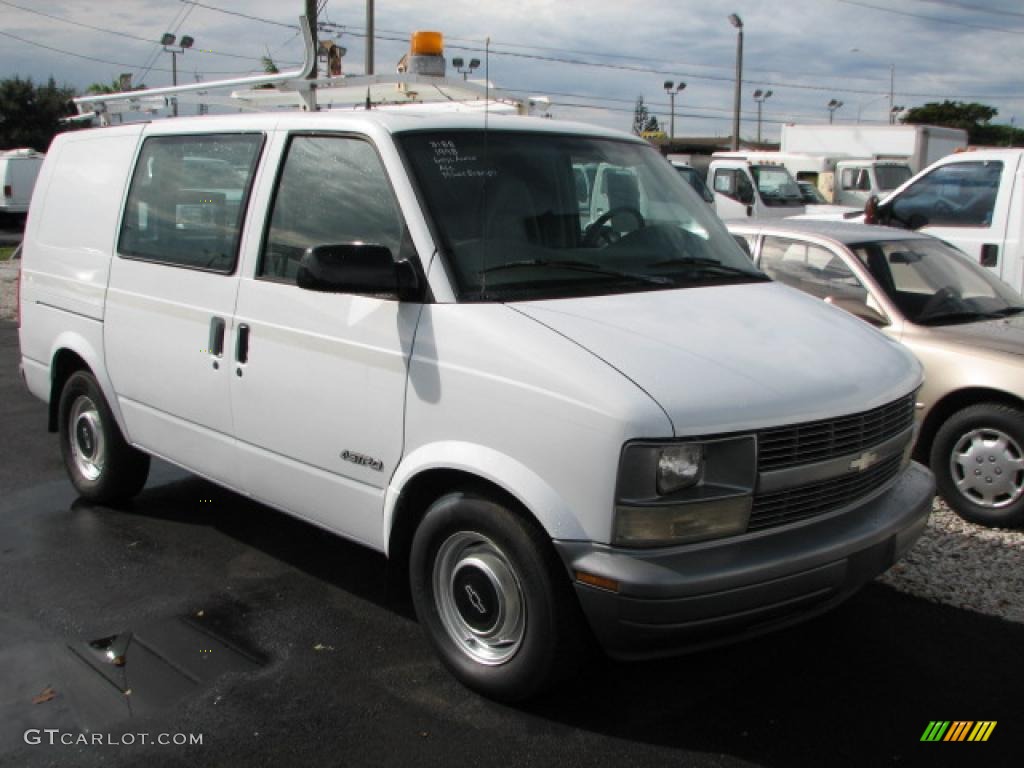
[859,309]
[359,268]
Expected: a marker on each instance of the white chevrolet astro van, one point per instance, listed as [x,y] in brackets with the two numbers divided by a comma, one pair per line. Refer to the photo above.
[404,329]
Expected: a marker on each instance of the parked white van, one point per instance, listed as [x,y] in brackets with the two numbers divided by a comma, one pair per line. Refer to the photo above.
[394,326]
[18,171]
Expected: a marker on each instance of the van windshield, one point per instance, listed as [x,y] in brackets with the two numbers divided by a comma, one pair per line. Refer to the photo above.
[775,185]
[891,176]
[524,216]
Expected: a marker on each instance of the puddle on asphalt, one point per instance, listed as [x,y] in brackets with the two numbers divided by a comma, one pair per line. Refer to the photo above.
[132,674]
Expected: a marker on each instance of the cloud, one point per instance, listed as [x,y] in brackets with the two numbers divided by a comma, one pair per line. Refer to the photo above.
[802,50]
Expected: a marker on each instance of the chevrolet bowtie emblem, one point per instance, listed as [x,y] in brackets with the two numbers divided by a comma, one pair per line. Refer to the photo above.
[864,461]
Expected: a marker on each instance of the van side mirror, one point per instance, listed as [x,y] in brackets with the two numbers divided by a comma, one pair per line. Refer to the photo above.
[360,268]
[745,194]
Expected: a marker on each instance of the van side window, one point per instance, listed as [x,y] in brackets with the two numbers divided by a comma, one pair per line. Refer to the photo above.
[332,190]
[811,269]
[954,195]
[187,200]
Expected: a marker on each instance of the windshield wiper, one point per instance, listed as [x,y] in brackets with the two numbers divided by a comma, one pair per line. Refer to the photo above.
[959,316]
[710,265]
[1007,311]
[578,266]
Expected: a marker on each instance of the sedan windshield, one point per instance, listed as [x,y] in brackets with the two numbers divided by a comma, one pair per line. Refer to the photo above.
[524,216]
[935,284]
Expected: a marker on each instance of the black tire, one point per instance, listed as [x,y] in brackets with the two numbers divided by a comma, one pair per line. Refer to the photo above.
[993,488]
[102,466]
[551,636]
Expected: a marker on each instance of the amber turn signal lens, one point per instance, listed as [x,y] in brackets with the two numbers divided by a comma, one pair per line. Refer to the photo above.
[597,581]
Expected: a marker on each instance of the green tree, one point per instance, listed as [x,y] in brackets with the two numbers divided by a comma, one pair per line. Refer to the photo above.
[641,116]
[30,114]
[972,117]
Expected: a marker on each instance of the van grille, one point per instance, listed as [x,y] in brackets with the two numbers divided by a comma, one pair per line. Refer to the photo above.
[815,441]
[806,501]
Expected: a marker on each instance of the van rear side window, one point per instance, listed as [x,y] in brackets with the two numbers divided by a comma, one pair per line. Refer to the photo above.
[187,200]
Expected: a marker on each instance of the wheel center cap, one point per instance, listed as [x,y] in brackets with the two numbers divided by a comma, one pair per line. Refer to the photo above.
[476,598]
[86,441]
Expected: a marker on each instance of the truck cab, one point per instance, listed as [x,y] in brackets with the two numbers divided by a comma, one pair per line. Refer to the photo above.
[971,200]
[856,180]
[757,189]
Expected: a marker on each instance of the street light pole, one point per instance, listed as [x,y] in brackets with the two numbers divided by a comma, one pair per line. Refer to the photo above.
[167,41]
[760,97]
[833,105]
[672,89]
[737,22]
[892,93]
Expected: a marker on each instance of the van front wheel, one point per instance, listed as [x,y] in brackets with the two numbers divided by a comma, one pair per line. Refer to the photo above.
[100,463]
[495,602]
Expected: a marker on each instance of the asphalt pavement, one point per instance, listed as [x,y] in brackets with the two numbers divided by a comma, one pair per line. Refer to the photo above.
[193,611]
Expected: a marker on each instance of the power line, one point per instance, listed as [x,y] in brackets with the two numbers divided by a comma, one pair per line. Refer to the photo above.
[118,34]
[383,34]
[107,61]
[936,19]
[972,7]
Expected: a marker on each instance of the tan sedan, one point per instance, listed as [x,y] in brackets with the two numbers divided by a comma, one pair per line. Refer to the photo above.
[965,325]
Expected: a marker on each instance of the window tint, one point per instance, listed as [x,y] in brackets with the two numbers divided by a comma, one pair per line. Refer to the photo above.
[333,190]
[187,200]
[725,182]
[954,195]
[810,268]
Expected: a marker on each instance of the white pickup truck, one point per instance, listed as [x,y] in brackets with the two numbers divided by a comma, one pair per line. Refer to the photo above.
[970,199]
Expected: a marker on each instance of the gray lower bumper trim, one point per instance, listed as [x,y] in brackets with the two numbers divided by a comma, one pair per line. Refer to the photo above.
[683,598]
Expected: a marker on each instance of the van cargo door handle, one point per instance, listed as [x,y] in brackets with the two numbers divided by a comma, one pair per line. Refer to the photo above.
[242,347]
[216,343]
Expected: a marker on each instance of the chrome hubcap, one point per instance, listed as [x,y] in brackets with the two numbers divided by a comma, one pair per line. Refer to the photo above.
[988,468]
[479,599]
[88,450]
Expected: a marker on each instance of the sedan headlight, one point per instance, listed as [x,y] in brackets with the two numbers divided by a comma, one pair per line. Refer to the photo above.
[677,493]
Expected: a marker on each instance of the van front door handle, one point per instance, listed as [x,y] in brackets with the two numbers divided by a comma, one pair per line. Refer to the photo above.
[215,346]
[242,345]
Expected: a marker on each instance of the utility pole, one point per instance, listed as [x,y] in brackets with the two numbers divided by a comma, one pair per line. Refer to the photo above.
[369,37]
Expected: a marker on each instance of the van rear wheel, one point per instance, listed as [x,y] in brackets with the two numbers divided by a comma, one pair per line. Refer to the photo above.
[102,466]
[493,598]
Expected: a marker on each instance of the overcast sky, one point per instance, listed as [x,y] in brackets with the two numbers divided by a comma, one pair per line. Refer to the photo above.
[806,51]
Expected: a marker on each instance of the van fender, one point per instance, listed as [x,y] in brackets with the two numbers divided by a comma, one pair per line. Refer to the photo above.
[518,480]
[90,351]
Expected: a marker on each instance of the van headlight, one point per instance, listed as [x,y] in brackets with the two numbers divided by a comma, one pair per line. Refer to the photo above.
[679,492]
[679,467]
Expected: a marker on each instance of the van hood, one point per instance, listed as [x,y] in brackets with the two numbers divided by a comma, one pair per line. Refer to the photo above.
[737,357]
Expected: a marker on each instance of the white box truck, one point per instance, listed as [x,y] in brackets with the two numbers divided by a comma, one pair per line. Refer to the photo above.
[18,171]
[919,145]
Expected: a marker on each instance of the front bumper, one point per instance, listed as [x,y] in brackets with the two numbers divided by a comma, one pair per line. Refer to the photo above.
[685,598]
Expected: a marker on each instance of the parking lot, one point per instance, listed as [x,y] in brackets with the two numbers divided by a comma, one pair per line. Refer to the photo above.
[279,644]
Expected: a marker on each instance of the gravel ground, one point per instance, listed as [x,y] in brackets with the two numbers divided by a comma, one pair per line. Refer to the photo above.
[962,564]
[954,562]
[8,276]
